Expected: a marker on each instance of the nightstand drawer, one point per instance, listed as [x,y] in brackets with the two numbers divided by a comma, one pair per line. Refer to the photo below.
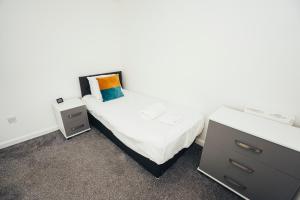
[74,114]
[249,178]
[228,139]
[76,126]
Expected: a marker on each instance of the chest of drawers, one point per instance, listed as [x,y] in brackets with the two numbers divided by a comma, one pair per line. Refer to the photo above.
[246,154]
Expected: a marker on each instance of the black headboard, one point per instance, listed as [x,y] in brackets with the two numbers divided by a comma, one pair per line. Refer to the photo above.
[85,86]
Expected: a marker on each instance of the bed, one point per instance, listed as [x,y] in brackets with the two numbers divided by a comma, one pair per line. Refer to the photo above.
[153,144]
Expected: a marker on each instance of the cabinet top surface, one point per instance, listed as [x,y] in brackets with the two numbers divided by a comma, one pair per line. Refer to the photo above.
[68,104]
[276,132]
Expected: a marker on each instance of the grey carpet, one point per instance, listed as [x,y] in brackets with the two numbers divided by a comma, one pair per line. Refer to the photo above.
[90,166]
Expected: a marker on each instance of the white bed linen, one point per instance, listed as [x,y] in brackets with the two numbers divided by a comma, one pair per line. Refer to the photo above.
[151,138]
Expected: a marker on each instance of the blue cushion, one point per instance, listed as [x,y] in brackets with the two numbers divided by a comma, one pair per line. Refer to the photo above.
[111,93]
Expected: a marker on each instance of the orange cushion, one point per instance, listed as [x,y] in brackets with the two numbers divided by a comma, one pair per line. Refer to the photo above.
[109,82]
[110,87]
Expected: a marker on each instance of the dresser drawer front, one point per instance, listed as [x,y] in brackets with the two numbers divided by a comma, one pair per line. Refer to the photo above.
[77,113]
[276,156]
[250,178]
[76,126]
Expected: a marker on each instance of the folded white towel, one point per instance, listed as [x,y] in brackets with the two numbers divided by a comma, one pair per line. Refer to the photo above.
[153,111]
[170,118]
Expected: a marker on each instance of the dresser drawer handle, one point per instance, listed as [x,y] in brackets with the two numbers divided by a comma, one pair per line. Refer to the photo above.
[70,116]
[241,166]
[77,127]
[248,147]
[234,183]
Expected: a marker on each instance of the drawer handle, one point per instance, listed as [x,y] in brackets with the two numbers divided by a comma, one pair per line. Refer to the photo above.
[77,127]
[234,183]
[248,147]
[70,116]
[241,166]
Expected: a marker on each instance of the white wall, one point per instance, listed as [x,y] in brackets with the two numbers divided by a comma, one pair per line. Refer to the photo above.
[195,52]
[44,47]
[208,53]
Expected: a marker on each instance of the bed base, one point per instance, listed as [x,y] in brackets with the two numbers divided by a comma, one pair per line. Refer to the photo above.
[152,167]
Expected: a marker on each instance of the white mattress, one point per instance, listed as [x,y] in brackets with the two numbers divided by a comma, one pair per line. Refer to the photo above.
[151,138]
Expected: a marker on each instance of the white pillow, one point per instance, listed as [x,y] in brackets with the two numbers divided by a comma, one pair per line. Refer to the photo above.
[94,86]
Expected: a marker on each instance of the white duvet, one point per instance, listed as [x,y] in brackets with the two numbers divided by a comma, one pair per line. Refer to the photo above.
[153,139]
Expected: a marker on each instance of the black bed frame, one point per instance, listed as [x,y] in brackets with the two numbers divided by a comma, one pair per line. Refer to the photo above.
[152,167]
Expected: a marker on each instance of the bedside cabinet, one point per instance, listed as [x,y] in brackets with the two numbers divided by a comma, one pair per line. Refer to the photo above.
[254,157]
[71,117]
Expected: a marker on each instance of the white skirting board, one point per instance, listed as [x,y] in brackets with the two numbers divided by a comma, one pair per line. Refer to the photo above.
[28,137]
[200,141]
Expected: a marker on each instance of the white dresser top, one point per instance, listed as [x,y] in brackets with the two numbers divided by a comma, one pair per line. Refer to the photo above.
[68,104]
[278,133]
